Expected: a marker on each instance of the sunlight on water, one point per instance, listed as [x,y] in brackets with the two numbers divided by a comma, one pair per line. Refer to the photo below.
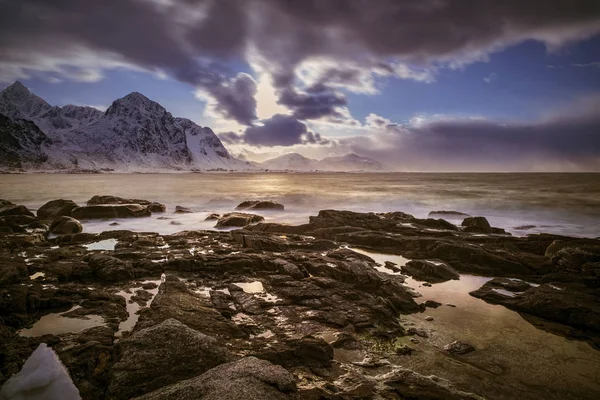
[555,203]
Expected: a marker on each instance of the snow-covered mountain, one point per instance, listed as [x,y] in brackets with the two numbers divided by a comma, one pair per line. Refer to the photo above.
[290,161]
[297,162]
[135,133]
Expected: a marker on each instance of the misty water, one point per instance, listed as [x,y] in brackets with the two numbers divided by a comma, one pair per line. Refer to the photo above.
[555,203]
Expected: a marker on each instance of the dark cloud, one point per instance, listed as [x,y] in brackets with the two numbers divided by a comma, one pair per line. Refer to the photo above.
[193,40]
[563,142]
[279,130]
[313,105]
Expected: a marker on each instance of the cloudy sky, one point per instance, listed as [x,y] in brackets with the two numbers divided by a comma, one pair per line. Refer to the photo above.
[420,85]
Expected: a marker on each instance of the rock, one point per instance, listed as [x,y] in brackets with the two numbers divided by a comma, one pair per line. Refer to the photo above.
[260,205]
[109,269]
[447,214]
[65,225]
[114,224]
[555,247]
[432,304]
[430,271]
[426,284]
[429,318]
[459,348]
[248,378]
[477,225]
[9,208]
[56,208]
[175,223]
[213,217]
[310,352]
[182,210]
[96,200]
[156,207]
[110,211]
[238,219]
[404,350]
[408,384]
[575,305]
[418,331]
[450,305]
[154,357]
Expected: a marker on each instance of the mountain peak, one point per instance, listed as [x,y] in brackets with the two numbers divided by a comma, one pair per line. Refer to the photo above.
[134,101]
[17,91]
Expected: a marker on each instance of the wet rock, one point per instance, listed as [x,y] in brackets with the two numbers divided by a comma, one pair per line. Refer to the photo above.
[459,348]
[161,355]
[109,269]
[260,205]
[418,331]
[447,214]
[432,304]
[156,207]
[238,219]
[175,223]
[176,301]
[576,305]
[114,224]
[450,305]
[430,271]
[56,208]
[476,225]
[182,210]
[429,318]
[9,208]
[427,284]
[213,217]
[408,384]
[103,199]
[248,378]
[310,352]
[110,211]
[65,225]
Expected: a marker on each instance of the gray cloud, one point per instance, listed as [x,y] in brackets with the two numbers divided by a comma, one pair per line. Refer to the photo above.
[564,142]
[318,102]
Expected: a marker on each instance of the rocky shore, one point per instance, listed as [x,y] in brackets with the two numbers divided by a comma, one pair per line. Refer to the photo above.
[274,311]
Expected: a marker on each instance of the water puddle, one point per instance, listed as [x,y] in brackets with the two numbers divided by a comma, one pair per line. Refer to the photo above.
[251,287]
[133,308]
[381,259]
[58,324]
[108,244]
[37,275]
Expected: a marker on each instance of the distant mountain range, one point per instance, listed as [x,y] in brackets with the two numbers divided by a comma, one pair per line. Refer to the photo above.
[297,162]
[134,134]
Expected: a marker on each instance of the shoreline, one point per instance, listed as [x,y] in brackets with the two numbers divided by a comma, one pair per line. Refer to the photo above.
[340,324]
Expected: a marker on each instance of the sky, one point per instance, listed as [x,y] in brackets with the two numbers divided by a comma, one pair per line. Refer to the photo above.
[419,85]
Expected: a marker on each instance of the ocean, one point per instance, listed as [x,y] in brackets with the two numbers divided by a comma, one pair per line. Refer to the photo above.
[522,203]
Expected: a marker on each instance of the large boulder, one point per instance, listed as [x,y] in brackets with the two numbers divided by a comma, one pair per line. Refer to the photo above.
[260,205]
[248,378]
[65,225]
[9,208]
[109,269]
[163,354]
[152,206]
[476,225]
[56,208]
[111,211]
[96,200]
[430,271]
[238,219]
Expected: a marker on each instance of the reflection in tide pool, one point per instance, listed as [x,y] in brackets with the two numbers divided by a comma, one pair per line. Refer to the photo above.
[509,349]
[133,308]
[58,324]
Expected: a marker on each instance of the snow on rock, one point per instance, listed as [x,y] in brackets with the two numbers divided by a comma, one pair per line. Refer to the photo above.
[43,377]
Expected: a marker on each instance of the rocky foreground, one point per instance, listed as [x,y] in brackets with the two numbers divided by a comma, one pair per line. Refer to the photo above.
[269,311]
